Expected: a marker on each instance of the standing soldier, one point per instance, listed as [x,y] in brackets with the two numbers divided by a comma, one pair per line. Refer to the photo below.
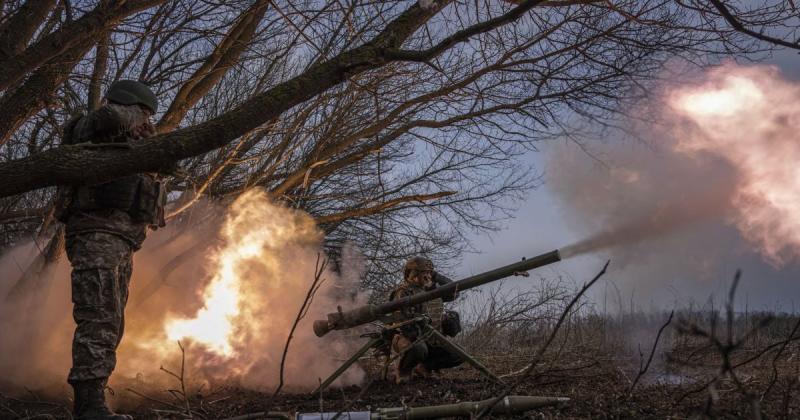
[105,224]
[423,356]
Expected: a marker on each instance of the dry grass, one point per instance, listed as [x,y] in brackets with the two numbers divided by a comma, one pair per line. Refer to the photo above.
[709,363]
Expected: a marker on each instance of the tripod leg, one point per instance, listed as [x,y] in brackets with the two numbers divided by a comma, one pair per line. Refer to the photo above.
[349,362]
[385,368]
[455,348]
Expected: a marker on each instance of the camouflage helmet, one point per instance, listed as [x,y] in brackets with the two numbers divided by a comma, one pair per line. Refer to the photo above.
[131,92]
[418,263]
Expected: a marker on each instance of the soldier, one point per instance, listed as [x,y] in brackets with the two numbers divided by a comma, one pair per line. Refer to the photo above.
[105,224]
[423,356]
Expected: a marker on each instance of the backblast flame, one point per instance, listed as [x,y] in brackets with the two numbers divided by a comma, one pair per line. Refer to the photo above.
[235,327]
[252,229]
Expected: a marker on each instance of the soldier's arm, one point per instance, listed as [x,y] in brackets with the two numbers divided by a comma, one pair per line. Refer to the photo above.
[68,130]
[113,123]
[441,280]
[399,293]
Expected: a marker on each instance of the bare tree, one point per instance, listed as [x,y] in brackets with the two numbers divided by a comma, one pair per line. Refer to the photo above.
[398,125]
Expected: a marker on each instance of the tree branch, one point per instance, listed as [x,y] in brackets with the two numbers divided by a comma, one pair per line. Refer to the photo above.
[223,57]
[380,208]
[70,35]
[77,164]
[731,19]
[19,29]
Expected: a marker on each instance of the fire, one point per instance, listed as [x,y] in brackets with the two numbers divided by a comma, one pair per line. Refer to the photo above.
[251,230]
[735,96]
[235,327]
[750,117]
[212,325]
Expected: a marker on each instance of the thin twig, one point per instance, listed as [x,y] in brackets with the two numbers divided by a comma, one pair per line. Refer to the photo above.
[777,356]
[318,270]
[739,26]
[644,368]
[508,389]
[186,410]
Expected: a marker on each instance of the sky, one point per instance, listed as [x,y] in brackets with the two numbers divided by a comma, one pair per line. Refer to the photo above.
[544,221]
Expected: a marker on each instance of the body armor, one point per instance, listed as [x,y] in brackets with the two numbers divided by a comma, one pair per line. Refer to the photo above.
[142,196]
[433,309]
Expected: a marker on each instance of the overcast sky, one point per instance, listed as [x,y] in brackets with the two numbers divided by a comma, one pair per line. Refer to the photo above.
[540,225]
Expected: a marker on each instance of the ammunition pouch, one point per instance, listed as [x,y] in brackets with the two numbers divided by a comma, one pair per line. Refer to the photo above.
[141,196]
[149,205]
[451,323]
[63,204]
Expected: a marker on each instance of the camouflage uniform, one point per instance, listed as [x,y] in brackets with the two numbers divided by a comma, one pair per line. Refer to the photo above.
[423,355]
[105,224]
[101,271]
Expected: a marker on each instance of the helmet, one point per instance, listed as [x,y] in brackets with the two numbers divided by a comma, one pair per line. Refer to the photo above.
[131,92]
[418,263]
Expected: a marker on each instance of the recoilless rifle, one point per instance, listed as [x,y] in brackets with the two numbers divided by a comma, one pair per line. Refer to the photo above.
[368,313]
[391,314]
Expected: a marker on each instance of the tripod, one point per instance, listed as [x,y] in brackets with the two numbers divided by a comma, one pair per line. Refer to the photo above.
[380,341]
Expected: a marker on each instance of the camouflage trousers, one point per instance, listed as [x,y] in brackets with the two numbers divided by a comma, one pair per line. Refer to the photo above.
[101,272]
[427,353]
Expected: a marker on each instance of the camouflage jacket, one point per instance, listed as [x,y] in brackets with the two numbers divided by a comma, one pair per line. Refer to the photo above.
[111,123]
[433,309]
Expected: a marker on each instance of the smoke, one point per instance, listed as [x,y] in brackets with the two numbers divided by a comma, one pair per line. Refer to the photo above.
[646,195]
[229,294]
[34,325]
[713,186]
[750,117]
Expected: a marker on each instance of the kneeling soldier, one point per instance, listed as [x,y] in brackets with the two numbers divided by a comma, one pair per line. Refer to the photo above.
[423,355]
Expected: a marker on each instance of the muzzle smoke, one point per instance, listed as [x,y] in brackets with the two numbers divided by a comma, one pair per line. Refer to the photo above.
[229,295]
[725,150]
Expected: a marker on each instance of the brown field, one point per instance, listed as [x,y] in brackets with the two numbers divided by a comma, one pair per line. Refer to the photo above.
[593,360]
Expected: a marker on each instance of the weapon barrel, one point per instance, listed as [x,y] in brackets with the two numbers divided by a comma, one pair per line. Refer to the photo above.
[368,313]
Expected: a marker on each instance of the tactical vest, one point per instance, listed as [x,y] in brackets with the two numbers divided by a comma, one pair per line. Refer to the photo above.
[141,196]
[433,309]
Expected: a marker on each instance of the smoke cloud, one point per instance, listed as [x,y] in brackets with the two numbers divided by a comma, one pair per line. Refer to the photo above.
[229,294]
[713,186]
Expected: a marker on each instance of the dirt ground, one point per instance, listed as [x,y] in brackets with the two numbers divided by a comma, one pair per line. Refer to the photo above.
[598,388]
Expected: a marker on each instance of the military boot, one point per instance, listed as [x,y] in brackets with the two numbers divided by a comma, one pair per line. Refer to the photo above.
[421,371]
[90,402]
[401,377]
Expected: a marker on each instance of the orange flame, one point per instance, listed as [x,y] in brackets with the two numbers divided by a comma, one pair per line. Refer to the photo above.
[253,228]
[235,328]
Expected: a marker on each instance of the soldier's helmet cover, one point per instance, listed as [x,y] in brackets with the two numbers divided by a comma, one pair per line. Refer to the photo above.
[417,263]
[131,92]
